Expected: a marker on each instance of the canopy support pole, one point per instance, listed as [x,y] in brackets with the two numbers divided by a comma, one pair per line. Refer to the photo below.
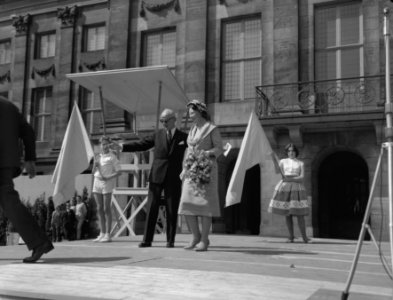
[186,121]
[159,103]
[102,111]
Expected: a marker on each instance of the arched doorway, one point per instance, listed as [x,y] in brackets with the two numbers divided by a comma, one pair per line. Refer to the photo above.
[342,195]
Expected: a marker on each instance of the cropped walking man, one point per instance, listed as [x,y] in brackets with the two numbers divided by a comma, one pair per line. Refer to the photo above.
[13,129]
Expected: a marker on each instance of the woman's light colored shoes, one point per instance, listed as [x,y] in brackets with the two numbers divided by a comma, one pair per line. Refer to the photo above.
[192,245]
[106,238]
[103,238]
[202,246]
[98,238]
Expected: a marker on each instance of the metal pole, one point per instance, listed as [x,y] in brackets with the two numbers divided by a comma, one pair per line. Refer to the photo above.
[389,128]
[102,111]
[389,146]
[158,104]
[186,121]
[345,293]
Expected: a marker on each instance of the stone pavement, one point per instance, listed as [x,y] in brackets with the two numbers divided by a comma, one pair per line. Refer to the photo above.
[235,267]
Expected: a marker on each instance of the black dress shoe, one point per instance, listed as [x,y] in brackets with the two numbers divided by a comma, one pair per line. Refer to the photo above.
[38,252]
[170,245]
[144,245]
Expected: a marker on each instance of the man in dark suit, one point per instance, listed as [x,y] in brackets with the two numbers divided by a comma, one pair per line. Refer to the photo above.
[13,128]
[169,144]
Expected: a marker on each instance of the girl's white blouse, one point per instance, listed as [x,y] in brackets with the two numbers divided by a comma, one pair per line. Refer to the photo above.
[109,164]
[292,167]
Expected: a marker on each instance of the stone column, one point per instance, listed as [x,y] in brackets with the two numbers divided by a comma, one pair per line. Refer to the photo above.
[118,40]
[20,66]
[286,41]
[195,54]
[286,57]
[64,89]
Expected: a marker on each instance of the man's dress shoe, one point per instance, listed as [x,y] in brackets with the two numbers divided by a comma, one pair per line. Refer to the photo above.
[170,245]
[38,252]
[144,245]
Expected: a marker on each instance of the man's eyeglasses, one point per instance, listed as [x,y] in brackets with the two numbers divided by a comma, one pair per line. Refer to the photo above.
[165,120]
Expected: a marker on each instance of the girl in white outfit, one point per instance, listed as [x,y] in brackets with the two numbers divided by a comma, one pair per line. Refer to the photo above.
[106,169]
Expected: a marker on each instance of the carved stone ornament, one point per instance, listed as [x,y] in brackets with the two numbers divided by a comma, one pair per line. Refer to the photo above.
[21,23]
[67,15]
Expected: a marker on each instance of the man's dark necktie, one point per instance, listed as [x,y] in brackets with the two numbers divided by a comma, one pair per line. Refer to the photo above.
[169,136]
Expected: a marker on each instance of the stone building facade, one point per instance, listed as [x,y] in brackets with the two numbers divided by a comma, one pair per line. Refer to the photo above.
[311,69]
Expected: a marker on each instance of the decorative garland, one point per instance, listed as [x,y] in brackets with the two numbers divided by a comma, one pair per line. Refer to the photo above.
[155,8]
[224,2]
[94,66]
[44,73]
[5,77]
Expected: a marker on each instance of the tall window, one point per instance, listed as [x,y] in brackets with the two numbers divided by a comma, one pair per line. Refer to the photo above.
[5,52]
[160,49]
[45,45]
[91,111]
[241,59]
[94,38]
[42,107]
[338,41]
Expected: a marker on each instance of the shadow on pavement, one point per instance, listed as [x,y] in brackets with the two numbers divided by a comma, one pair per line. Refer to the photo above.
[325,294]
[71,260]
[259,251]
[314,242]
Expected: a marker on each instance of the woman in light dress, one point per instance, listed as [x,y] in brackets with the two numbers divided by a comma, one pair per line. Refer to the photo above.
[200,201]
[289,198]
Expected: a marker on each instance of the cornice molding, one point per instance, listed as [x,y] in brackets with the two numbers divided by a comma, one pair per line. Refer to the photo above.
[33,11]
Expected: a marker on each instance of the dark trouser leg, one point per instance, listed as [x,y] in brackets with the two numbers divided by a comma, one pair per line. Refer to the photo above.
[59,233]
[17,213]
[54,234]
[154,201]
[171,208]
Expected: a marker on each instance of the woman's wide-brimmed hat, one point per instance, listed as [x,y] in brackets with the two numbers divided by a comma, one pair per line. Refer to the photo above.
[200,106]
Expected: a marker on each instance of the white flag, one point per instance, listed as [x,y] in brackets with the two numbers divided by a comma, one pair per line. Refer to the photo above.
[75,155]
[255,149]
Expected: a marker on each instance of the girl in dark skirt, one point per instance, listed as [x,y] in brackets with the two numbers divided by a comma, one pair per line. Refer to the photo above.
[289,198]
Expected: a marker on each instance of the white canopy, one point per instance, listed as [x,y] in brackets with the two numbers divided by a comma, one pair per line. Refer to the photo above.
[136,90]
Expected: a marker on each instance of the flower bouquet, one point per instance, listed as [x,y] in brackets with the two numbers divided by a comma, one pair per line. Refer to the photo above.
[198,166]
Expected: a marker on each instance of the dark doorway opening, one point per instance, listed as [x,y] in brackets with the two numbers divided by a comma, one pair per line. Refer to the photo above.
[342,195]
[245,217]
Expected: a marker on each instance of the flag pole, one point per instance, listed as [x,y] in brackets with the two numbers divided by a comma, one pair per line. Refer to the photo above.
[102,111]
[389,127]
[158,103]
